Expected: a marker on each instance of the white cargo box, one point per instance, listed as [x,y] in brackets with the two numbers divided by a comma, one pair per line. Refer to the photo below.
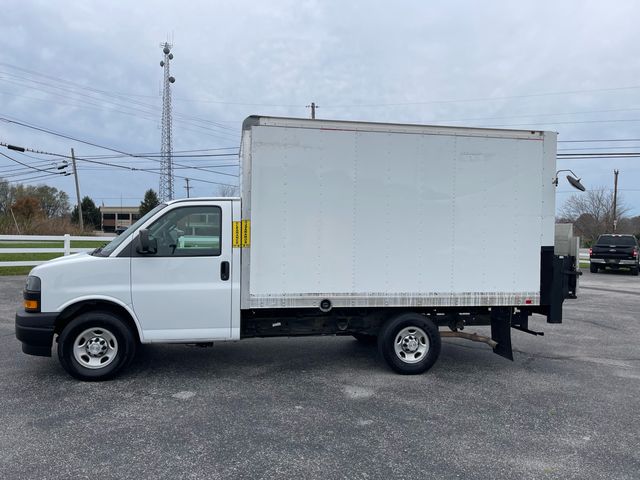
[368,214]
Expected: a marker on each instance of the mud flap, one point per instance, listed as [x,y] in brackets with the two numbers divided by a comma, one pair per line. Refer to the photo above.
[501,331]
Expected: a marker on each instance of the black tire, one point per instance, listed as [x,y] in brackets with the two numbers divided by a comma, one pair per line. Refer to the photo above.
[425,332]
[106,331]
[593,268]
[635,271]
[365,338]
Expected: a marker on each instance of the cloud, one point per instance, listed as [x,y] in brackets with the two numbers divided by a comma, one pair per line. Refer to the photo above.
[421,62]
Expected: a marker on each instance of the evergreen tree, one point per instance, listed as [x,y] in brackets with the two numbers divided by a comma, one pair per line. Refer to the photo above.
[150,201]
[90,214]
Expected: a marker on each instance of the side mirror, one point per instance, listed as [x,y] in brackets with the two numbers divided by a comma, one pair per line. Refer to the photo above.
[147,245]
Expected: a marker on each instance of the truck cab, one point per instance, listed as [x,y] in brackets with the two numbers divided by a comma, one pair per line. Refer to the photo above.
[169,278]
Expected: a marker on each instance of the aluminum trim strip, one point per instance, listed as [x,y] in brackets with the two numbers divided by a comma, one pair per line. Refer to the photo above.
[463,299]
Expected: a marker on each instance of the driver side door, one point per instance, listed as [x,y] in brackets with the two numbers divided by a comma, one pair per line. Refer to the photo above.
[181,290]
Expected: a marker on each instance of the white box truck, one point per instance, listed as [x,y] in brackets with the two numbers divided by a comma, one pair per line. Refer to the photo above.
[385,232]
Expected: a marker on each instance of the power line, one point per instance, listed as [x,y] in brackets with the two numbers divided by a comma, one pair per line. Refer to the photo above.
[428,102]
[571,156]
[600,154]
[540,115]
[51,132]
[21,150]
[183,117]
[242,104]
[605,189]
[563,123]
[193,167]
[57,79]
[593,158]
[596,148]
[101,197]
[150,116]
[102,93]
[149,169]
[12,168]
[134,169]
[196,150]
[44,130]
[34,178]
[601,140]
[507,97]
[143,113]
[152,156]
[24,164]
[21,173]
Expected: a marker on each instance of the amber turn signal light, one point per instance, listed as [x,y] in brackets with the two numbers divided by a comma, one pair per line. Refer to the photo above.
[31,305]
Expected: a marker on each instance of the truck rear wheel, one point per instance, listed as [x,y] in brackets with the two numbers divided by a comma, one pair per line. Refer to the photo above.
[409,343]
[95,346]
[593,268]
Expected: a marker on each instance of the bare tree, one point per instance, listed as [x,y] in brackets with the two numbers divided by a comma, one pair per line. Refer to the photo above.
[227,191]
[592,212]
[630,225]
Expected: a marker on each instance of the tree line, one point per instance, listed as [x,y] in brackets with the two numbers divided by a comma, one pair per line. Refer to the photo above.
[592,214]
[41,209]
[45,210]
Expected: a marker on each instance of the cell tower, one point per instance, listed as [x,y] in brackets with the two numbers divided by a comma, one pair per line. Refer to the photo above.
[166,165]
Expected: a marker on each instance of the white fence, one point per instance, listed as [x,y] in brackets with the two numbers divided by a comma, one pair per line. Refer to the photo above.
[65,250]
[584,255]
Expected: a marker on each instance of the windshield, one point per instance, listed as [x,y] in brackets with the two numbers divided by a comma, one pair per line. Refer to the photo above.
[116,242]
[617,240]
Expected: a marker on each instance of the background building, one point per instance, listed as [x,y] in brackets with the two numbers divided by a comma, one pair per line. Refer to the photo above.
[114,217]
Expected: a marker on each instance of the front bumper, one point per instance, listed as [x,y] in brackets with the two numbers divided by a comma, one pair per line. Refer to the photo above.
[35,331]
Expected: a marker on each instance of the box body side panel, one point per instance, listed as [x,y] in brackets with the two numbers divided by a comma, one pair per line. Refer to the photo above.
[374,218]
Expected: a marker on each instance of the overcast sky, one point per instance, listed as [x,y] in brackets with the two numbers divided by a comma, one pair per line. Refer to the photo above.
[90,70]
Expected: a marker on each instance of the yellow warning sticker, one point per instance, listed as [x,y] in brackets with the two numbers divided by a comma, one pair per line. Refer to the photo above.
[246,233]
[237,234]
[242,234]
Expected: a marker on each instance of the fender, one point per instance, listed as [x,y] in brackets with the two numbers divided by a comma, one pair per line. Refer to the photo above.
[105,298]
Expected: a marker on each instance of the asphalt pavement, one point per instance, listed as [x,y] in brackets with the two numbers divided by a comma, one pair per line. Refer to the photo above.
[566,408]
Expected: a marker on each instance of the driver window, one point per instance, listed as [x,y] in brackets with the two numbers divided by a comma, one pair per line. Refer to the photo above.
[188,232]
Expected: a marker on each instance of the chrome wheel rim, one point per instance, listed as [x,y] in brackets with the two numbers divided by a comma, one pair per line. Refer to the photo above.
[411,344]
[95,348]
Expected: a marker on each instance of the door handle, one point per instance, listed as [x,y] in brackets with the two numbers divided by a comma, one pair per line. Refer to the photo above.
[224,271]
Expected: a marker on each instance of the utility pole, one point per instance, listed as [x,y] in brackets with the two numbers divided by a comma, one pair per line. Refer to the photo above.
[15,221]
[75,174]
[615,199]
[188,188]
[313,107]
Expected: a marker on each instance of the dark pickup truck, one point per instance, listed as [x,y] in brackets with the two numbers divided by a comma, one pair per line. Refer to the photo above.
[614,251]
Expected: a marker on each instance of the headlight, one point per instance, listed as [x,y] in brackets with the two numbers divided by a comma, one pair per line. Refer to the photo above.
[33,283]
[31,294]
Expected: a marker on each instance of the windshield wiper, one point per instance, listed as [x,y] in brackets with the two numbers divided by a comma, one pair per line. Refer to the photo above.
[98,250]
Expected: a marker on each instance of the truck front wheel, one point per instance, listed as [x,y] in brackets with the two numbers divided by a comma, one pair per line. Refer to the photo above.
[409,343]
[96,346]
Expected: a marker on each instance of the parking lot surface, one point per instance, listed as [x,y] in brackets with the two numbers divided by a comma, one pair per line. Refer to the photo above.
[567,407]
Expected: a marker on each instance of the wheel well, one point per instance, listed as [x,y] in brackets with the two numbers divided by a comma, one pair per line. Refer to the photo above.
[79,308]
